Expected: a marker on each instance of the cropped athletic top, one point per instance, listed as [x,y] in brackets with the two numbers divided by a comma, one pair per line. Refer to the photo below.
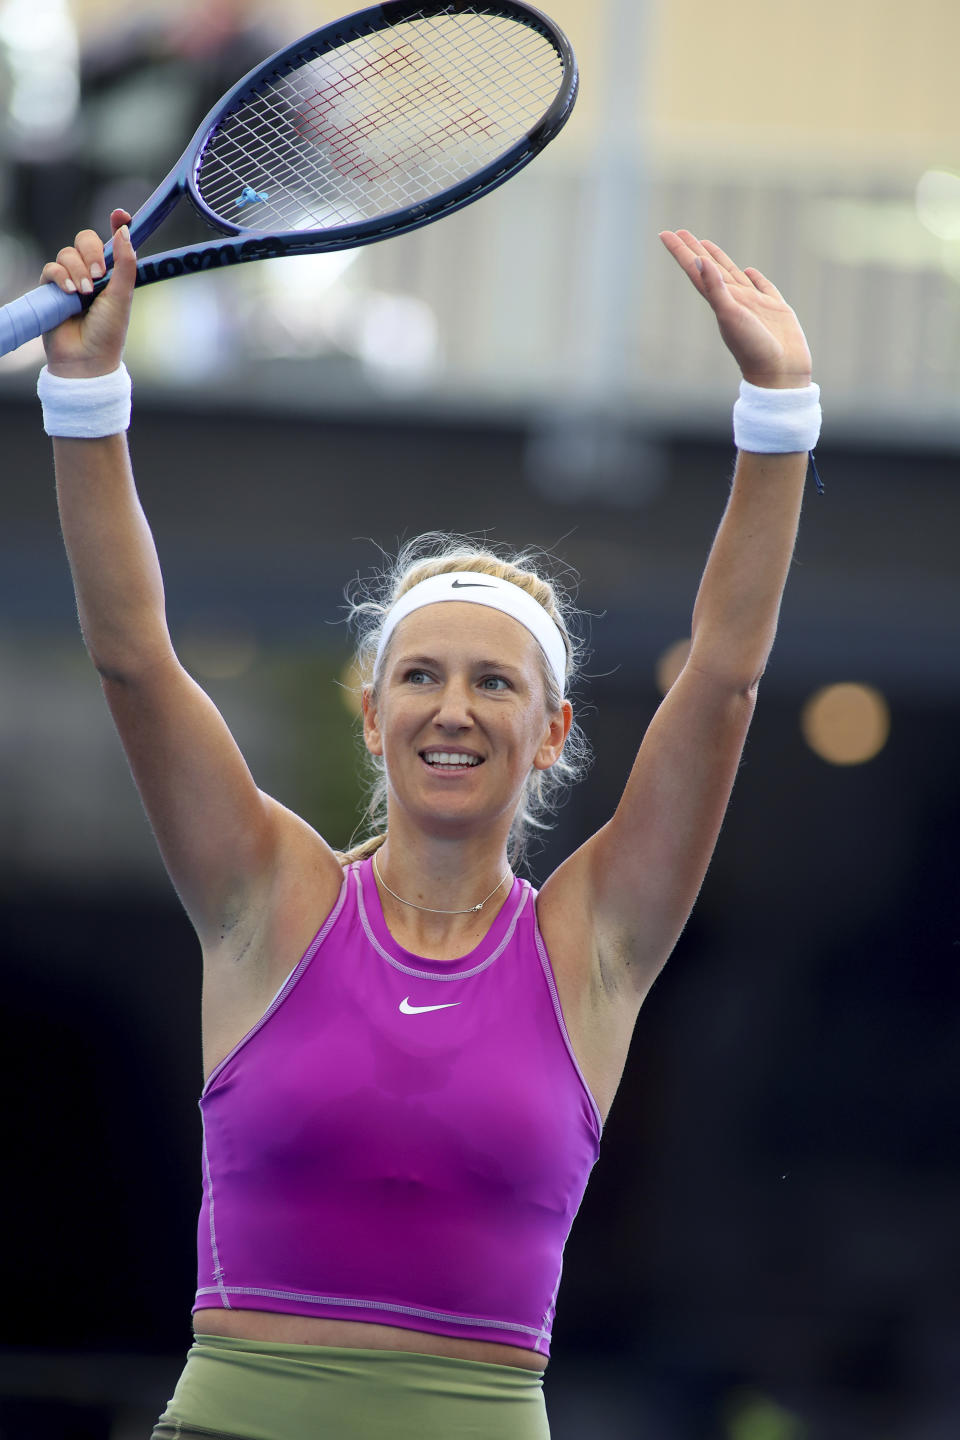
[398,1140]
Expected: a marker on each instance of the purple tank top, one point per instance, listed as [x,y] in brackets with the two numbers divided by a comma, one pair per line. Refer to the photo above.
[398,1140]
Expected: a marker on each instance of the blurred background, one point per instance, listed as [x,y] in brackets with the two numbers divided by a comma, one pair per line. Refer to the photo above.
[769,1246]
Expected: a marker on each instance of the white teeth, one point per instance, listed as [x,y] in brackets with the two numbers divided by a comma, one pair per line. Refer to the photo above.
[442,757]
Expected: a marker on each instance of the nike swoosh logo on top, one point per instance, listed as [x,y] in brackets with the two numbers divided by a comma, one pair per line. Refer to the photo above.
[407,1009]
[470,585]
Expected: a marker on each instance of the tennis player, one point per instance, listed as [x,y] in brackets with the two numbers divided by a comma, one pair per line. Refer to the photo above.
[409,1053]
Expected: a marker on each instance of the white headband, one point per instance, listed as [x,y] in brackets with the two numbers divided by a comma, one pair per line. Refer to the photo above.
[476,588]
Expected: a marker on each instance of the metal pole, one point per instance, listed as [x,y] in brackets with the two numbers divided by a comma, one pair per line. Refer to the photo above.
[584,447]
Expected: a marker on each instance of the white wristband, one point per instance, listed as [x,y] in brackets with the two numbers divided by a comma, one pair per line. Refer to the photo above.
[776,422]
[85,409]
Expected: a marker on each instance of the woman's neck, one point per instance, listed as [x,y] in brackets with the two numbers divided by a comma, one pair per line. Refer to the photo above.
[440,898]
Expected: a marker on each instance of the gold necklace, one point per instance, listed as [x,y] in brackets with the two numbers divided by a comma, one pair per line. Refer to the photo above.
[472,910]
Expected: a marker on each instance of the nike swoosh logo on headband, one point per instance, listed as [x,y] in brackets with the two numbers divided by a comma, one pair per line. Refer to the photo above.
[471,585]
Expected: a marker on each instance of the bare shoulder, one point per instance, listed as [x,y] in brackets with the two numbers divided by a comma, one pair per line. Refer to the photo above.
[255,950]
[572,924]
[599,1009]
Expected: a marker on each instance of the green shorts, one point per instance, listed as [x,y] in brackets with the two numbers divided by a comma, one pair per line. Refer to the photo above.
[254,1390]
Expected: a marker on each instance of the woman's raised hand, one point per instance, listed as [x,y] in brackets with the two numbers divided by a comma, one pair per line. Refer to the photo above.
[757,325]
[92,343]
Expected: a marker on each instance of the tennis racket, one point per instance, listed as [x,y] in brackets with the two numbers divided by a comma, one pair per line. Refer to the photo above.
[373,126]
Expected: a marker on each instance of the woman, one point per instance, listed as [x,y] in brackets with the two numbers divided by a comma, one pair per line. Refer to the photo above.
[409,1055]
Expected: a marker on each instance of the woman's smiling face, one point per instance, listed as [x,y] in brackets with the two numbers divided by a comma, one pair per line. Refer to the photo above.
[460,714]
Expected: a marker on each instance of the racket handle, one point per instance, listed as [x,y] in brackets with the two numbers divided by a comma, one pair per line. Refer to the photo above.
[34,314]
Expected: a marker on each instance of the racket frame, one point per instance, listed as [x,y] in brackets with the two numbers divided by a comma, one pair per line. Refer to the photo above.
[47,306]
[246,244]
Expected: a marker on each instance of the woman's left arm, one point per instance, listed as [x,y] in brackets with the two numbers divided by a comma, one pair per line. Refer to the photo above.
[636,880]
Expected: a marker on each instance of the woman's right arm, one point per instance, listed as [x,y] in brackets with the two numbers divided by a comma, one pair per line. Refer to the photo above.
[223,841]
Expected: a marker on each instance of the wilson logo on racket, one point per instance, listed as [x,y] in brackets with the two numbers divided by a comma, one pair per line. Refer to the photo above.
[373,126]
[370,144]
[190,262]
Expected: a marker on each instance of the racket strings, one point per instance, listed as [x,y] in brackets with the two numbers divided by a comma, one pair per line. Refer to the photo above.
[378,124]
[345,150]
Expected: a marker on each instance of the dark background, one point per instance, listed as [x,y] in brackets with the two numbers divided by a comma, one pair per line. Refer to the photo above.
[768,1248]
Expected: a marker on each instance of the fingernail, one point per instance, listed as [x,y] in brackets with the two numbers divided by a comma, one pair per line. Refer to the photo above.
[86,287]
[124,231]
[69,286]
[96,270]
[699,263]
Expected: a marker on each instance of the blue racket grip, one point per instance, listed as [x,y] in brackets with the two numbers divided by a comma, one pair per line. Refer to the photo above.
[34,314]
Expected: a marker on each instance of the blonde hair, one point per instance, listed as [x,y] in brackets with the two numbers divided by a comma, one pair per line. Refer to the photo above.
[438,553]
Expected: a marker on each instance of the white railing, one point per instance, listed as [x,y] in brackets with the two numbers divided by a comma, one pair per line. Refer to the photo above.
[515,303]
[879,296]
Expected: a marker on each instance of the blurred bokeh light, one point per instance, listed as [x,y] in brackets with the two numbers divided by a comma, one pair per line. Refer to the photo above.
[670,663]
[846,724]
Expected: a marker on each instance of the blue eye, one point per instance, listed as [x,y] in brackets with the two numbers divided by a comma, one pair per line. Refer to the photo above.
[495,682]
